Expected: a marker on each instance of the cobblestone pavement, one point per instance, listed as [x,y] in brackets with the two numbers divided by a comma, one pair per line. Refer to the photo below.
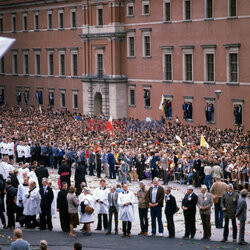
[177,190]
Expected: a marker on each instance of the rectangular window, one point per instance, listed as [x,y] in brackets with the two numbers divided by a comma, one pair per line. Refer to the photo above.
[13,23]
[75,100]
[233,67]
[168,67]
[60,20]
[238,112]
[63,99]
[132,97]
[2,69]
[25,24]
[73,19]
[49,20]
[130,9]
[51,64]
[1,24]
[131,45]
[187,9]
[38,64]
[14,64]
[62,64]
[209,8]
[100,16]
[26,64]
[100,65]
[210,67]
[145,8]
[147,98]
[232,7]
[147,49]
[36,20]
[74,64]
[188,67]
[187,108]
[167,11]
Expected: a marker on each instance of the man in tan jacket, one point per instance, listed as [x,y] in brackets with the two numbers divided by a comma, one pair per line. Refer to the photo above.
[217,191]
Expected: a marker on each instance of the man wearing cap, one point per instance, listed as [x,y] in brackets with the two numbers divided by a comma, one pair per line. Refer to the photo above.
[228,205]
[100,196]
[189,208]
[241,214]
[143,209]
[47,197]
[170,210]
[205,202]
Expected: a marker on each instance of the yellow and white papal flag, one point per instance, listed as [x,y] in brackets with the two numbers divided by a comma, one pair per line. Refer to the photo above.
[203,142]
[5,43]
[179,139]
[161,104]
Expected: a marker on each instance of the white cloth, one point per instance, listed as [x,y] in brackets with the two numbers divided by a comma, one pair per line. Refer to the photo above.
[20,151]
[20,194]
[207,170]
[11,148]
[88,200]
[126,212]
[32,177]
[31,202]
[4,169]
[102,195]
[53,206]
[27,151]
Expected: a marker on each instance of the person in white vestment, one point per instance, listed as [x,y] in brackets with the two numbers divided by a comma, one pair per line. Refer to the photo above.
[126,201]
[86,199]
[31,204]
[100,197]
[32,176]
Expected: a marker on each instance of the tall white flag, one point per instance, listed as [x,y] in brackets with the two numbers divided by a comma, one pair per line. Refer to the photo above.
[5,43]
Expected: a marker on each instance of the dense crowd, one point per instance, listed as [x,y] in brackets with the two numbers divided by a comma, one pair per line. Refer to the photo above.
[34,139]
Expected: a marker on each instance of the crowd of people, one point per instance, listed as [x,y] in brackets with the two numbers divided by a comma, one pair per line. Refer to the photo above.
[34,139]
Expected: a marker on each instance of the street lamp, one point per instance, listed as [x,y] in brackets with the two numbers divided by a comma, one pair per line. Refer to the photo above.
[218,93]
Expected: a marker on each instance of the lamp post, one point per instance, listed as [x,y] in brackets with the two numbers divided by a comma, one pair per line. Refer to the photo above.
[218,93]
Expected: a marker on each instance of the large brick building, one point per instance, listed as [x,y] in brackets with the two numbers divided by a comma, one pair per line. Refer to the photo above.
[120,57]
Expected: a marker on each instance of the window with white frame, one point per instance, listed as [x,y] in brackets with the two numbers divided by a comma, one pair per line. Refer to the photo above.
[19,95]
[209,109]
[51,97]
[63,98]
[73,17]
[130,8]
[167,52]
[209,63]
[1,94]
[167,105]
[62,71]
[186,9]
[99,62]
[13,18]
[74,62]
[37,62]
[146,42]
[232,62]
[1,23]
[75,99]
[187,63]
[2,68]
[147,97]
[39,96]
[36,20]
[145,7]
[50,62]
[238,111]
[25,62]
[25,22]
[232,8]
[131,44]
[131,95]
[14,62]
[60,19]
[99,15]
[187,108]
[49,20]
[167,10]
[26,95]
[209,8]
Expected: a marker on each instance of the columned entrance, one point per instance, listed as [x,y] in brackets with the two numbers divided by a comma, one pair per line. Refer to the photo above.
[98,104]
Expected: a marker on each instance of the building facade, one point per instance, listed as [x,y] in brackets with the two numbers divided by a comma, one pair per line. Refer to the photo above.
[125,58]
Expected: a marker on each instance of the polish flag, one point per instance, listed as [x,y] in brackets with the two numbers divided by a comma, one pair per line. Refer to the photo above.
[109,126]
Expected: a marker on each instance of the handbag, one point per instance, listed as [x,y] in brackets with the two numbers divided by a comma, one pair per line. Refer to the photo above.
[89,210]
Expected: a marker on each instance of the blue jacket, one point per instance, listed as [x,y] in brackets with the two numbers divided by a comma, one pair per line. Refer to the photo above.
[111,159]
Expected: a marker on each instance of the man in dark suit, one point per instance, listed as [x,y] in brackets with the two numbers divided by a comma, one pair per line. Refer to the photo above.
[241,214]
[65,172]
[47,197]
[113,209]
[189,208]
[62,207]
[170,210]
[41,172]
[111,162]
[10,203]
[91,162]
[197,170]
[154,199]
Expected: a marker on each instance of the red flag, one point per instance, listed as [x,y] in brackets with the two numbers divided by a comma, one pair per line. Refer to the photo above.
[109,126]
